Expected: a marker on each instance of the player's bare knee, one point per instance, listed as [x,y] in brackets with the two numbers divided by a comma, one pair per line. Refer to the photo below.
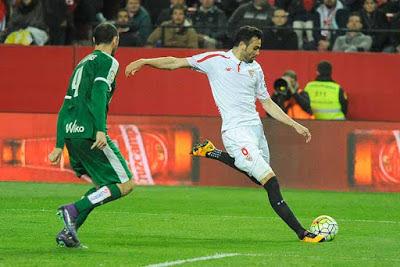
[129,186]
[126,187]
[266,178]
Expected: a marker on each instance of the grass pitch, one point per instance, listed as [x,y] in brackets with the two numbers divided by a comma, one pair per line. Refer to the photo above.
[197,226]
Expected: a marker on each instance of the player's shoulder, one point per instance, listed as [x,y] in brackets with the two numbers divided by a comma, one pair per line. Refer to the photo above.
[211,55]
[104,58]
[256,66]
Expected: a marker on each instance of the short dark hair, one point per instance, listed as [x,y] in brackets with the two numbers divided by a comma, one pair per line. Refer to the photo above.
[355,14]
[279,9]
[367,0]
[290,73]
[179,7]
[245,33]
[122,10]
[324,68]
[104,33]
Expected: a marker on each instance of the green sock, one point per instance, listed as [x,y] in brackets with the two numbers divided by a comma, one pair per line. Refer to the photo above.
[99,197]
[83,215]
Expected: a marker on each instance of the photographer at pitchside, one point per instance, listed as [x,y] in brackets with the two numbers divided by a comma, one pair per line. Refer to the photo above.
[290,98]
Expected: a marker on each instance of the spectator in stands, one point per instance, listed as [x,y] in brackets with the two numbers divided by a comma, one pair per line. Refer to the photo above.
[27,24]
[281,37]
[59,18]
[332,17]
[87,14]
[174,33]
[166,13]
[290,98]
[127,35]
[210,24]
[154,7]
[389,7]
[395,36]
[305,18]
[257,13]
[374,19]
[327,99]
[353,40]
[229,6]
[139,19]
[3,14]
[353,5]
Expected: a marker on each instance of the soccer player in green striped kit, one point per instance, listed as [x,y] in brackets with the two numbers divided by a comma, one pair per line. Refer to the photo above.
[81,126]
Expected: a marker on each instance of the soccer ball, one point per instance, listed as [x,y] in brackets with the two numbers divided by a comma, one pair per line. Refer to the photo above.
[326,226]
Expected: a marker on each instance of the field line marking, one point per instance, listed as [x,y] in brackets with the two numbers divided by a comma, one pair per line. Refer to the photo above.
[210,215]
[220,255]
[204,258]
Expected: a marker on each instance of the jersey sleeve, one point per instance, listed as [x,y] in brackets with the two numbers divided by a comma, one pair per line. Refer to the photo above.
[98,105]
[106,70]
[262,92]
[60,126]
[202,62]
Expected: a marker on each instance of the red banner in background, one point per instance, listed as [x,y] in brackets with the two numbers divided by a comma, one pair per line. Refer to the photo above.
[342,155]
[38,85]
[374,159]
[156,154]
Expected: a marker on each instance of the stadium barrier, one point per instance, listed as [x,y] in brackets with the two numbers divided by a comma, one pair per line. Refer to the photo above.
[342,156]
[34,79]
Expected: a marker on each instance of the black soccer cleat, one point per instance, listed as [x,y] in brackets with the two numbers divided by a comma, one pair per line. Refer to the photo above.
[65,239]
[68,215]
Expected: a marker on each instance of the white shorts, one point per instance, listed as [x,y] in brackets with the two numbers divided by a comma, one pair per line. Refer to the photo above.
[249,147]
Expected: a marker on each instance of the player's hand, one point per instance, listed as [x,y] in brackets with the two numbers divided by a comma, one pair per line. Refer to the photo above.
[300,129]
[55,155]
[134,67]
[101,141]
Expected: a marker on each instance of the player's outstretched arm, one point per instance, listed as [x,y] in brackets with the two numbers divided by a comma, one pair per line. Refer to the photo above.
[277,113]
[55,155]
[166,63]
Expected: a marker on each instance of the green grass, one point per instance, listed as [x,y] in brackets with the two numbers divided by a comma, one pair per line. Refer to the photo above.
[159,224]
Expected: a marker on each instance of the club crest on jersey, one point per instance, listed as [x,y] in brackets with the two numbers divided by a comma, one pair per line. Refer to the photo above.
[245,153]
[251,73]
[73,127]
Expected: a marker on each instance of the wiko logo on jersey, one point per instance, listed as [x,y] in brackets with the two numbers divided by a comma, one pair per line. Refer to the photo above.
[72,127]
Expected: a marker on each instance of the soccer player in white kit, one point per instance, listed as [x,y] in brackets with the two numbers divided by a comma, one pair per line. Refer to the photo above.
[237,81]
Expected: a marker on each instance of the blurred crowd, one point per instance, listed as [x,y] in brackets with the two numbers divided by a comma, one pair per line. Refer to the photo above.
[322,25]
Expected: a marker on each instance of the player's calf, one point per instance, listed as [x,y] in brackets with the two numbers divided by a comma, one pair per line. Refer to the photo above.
[281,208]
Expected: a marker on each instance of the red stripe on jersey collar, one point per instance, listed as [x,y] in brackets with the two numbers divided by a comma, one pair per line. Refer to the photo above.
[239,66]
[211,56]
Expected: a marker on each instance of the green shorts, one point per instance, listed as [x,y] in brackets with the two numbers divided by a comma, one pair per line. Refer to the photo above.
[105,166]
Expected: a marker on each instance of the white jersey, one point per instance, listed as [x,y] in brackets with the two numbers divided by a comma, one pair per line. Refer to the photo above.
[236,85]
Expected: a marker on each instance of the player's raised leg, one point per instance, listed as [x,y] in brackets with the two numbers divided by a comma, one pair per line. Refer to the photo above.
[208,150]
